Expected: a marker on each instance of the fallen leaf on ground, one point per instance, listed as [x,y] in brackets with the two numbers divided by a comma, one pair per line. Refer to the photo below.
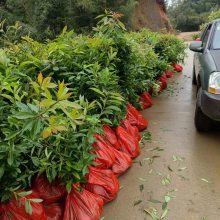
[164,214]
[137,202]
[142,179]
[141,187]
[152,213]
[169,168]
[183,177]
[154,201]
[156,149]
[178,158]
[151,170]
[205,180]
[182,168]
[166,180]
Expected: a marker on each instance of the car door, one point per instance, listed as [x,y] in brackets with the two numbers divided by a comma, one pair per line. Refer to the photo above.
[201,58]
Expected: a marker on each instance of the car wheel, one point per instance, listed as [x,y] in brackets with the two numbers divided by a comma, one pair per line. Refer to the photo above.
[194,81]
[202,122]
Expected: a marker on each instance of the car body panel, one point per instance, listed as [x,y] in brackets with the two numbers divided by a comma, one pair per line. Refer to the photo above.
[209,104]
[205,63]
[204,66]
[216,57]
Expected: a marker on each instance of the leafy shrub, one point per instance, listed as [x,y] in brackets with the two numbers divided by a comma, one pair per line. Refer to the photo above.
[43,132]
[170,49]
[48,126]
[213,16]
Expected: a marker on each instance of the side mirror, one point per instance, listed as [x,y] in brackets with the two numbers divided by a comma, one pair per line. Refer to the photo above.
[196,46]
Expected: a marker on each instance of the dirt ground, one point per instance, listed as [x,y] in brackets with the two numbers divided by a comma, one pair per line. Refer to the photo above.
[178,161]
[187,36]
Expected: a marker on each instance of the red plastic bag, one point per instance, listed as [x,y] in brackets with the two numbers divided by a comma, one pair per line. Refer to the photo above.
[102,183]
[122,163]
[169,74]
[128,143]
[49,192]
[163,82]
[132,130]
[54,211]
[145,100]
[135,118]
[177,67]
[82,205]
[110,137]
[15,210]
[105,155]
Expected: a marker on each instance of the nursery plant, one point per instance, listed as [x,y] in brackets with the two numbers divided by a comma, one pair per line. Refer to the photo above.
[56,95]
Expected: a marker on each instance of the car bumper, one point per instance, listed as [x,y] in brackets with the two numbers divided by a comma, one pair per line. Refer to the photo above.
[210,104]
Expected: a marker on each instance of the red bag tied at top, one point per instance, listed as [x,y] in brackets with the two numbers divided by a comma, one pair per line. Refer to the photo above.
[110,137]
[145,100]
[82,205]
[105,156]
[135,118]
[129,144]
[102,183]
[49,192]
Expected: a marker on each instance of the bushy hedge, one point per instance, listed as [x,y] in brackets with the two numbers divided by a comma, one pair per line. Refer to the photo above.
[56,95]
[213,16]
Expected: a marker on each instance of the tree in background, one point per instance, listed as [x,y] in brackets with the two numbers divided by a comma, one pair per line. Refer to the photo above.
[213,16]
[188,15]
[46,18]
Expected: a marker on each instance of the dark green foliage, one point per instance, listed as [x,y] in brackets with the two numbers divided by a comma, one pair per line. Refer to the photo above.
[213,16]
[188,15]
[45,19]
[55,96]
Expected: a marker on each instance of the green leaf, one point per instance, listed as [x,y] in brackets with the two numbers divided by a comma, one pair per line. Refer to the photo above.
[137,202]
[28,207]
[164,205]
[24,115]
[34,108]
[36,200]
[10,98]
[69,186]
[28,125]
[154,201]
[164,214]
[204,180]
[98,91]
[12,135]
[2,171]
[152,212]
[76,175]
[142,179]
[24,193]
[112,107]
[107,121]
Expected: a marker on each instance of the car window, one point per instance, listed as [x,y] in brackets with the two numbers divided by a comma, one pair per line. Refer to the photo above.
[216,40]
[206,36]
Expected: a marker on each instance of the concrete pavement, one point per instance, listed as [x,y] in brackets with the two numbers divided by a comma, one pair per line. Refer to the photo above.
[188,160]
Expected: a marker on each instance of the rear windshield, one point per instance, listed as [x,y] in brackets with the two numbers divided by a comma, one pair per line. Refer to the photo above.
[216,40]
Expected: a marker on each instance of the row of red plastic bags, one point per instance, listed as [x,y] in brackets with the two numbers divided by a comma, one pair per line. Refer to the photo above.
[114,151]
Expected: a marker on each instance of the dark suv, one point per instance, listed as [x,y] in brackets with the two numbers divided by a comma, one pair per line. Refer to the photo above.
[206,75]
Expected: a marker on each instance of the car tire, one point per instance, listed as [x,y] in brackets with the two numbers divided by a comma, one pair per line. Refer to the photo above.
[202,122]
[194,81]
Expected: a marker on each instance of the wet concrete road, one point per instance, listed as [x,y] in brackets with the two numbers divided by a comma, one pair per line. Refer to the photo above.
[196,176]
